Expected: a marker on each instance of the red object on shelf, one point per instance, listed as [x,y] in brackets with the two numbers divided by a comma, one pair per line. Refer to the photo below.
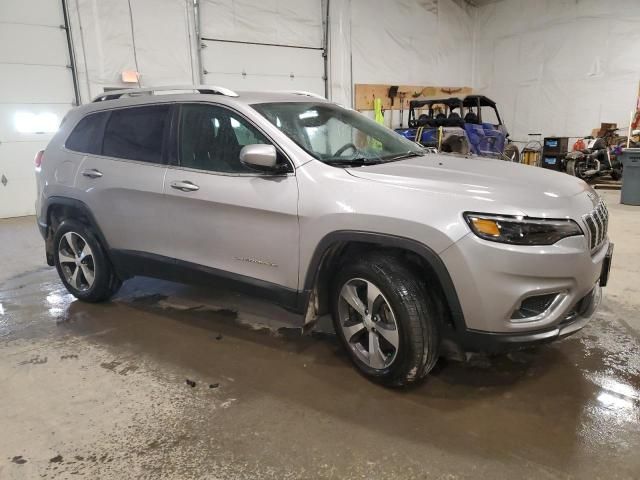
[579,145]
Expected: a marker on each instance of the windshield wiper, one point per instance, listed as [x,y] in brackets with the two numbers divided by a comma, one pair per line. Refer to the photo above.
[401,156]
[352,162]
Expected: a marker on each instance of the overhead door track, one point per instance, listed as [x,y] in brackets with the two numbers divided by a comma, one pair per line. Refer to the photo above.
[260,43]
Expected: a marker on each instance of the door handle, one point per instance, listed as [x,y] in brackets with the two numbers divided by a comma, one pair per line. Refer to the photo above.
[185,186]
[92,173]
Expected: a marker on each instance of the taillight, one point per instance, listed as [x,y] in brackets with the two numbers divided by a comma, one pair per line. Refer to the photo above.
[38,159]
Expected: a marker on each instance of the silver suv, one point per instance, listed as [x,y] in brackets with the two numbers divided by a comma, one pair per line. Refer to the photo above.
[319,209]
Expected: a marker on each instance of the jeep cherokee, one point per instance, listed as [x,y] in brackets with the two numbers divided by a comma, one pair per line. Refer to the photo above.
[292,198]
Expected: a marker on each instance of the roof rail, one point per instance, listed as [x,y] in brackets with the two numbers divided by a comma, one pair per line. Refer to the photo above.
[302,92]
[131,92]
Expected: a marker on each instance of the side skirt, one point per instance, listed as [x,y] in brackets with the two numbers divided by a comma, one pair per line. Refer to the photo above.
[130,263]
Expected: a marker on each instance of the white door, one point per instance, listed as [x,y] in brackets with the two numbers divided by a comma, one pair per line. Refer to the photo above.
[36,91]
[263,45]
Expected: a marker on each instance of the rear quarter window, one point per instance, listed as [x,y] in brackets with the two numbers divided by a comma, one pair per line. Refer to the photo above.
[136,133]
[86,137]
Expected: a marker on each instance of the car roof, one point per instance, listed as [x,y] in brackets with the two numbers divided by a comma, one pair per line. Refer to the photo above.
[152,95]
[250,97]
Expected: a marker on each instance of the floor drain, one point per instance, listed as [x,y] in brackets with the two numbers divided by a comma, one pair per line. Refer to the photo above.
[4,180]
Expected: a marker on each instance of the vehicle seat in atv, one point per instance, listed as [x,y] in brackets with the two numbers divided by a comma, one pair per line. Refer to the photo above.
[471,117]
[441,120]
[454,120]
[425,121]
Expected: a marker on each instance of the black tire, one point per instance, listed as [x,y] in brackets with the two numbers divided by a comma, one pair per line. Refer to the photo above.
[616,174]
[415,312]
[572,169]
[105,282]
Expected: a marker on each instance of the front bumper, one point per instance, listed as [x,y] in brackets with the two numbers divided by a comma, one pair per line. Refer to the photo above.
[470,340]
[493,279]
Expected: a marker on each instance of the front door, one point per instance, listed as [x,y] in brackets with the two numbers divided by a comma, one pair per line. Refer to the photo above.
[223,215]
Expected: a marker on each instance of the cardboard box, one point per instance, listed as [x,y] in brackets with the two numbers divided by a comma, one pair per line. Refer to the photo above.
[606,126]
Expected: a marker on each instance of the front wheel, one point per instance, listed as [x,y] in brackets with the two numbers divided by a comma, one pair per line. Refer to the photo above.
[82,263]
[385,320]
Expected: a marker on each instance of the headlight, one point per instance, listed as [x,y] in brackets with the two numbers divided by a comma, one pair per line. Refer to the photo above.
[521,230]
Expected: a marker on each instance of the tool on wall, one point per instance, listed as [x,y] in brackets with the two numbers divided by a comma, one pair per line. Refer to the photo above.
[393,93]
[401,95]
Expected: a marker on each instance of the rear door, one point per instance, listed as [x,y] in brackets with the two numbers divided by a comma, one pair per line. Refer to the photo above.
[223,215]
[121,178]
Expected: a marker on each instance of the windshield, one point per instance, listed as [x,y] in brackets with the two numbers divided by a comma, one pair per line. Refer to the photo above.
[336,135]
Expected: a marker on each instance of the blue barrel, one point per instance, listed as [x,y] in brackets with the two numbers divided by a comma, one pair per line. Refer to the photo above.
[630,159]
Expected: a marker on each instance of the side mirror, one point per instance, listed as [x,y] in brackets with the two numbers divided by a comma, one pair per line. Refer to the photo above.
[260,157]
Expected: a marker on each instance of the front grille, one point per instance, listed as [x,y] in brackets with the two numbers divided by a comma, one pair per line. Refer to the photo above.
[597,223]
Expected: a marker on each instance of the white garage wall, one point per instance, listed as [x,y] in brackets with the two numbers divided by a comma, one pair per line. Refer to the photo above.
[263,44]
[559,67]
[419,42]
[148,36]
[563,66]
[34,80]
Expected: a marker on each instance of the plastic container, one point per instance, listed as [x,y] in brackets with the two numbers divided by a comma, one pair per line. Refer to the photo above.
[630,193]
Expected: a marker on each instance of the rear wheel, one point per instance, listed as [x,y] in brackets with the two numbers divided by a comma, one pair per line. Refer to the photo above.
[616,174]
[82,263]
[385,320]
[576,169]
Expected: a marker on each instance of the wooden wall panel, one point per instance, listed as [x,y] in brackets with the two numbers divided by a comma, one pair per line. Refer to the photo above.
[366,92]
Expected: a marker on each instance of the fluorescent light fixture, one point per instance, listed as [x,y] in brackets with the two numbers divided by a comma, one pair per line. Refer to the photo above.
[28,122]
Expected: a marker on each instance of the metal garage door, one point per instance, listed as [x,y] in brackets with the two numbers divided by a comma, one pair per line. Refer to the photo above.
[263,44]
[36,90]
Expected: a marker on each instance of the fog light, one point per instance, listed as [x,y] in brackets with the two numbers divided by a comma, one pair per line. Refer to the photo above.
[537,307]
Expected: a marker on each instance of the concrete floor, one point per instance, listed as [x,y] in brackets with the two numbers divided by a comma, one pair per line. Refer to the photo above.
[100,390]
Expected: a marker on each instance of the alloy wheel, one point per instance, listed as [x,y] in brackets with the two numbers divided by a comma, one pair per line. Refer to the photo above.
[368,323]
[76,261]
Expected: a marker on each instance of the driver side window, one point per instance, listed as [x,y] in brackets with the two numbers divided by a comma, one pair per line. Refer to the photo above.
[211,139]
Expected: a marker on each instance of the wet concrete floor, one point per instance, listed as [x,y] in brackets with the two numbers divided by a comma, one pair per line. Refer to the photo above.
[101,391]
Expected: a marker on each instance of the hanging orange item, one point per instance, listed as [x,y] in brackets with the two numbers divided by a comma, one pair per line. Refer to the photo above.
[579,145]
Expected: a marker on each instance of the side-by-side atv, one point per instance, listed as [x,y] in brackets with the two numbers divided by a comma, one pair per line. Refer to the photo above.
[457,125]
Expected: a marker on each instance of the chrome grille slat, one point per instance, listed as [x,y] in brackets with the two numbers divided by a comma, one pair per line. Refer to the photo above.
[597,223]
[600,224]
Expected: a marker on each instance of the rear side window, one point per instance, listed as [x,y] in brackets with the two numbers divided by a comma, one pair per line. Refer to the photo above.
[87,136]
[136,133]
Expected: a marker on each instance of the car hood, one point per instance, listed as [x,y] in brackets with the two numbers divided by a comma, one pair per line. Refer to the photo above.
[512,188]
